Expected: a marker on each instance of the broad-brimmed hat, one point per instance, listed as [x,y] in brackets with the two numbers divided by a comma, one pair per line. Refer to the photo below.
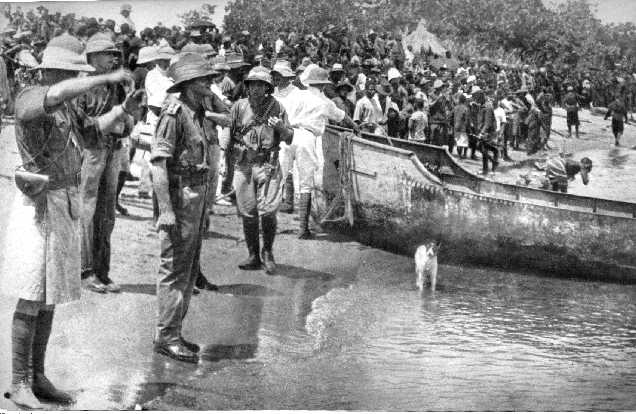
[438,84]
[235,60]
[471,78]
[393,73]
[314,75]
[259,74]
[100,43]
[189,66]
[476,89]
[147,54]
[337,67]
[384,89]
[165,52]
[344,84]
[218,64]
[207,50]
[26,59]
[65,52]
[283,68]
[190,48]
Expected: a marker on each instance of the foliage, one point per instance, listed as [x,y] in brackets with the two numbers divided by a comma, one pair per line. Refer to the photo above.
[524,30]
[204,14]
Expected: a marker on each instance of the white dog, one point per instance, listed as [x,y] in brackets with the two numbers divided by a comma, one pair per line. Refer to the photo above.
[426,264]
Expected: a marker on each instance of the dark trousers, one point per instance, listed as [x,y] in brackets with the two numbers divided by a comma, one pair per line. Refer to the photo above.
[489,152]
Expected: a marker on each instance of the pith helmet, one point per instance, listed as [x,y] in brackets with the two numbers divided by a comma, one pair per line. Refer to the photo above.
[190,66]
[260,74]
[284,68]
[64,52]
[100,43]
[147,54]
[315,75]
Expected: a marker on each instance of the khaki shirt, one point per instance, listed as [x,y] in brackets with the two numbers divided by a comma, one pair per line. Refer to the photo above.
[99,101]
[50,140]
[248,131]
[182,137]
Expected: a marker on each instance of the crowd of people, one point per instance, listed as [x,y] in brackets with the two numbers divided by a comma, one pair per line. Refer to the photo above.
[231,119]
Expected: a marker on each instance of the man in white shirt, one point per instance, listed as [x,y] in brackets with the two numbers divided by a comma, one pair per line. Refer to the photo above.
[308,111]
[279,44]
[368,113]
[282,75]
[124,17]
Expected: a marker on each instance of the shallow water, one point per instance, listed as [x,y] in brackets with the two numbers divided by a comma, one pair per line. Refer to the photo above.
[485,340]
[613,174]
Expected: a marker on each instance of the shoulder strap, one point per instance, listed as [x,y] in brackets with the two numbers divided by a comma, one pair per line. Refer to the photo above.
[173,108]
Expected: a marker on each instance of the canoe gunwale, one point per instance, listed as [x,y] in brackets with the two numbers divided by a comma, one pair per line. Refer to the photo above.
[498,191]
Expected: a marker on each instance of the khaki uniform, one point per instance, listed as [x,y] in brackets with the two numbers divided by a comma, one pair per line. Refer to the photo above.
[255,145]
[100,171]
[42,241]
[181,138]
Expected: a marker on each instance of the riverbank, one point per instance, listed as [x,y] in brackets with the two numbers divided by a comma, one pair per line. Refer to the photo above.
[340,327]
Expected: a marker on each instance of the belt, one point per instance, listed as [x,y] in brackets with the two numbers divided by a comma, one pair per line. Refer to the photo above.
[64,181]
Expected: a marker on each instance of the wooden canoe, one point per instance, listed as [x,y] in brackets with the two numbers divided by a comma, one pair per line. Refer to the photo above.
[404,193]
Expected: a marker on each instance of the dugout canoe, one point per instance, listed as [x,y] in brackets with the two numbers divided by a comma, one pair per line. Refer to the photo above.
[401,193]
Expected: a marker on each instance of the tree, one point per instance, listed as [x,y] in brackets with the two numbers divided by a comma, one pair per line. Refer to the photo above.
[193,17]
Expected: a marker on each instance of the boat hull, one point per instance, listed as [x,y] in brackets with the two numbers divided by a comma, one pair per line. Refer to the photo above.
[399,205]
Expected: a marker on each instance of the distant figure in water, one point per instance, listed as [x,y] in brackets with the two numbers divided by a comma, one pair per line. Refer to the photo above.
[426,264]
[619,118]
[559,171]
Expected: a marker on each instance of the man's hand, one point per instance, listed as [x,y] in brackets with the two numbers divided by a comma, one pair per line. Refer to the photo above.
[166,221]
[121,76]
[134,101]
[275,122]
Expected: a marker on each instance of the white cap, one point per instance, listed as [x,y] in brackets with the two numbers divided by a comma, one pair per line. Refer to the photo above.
[471,78]
[393,73]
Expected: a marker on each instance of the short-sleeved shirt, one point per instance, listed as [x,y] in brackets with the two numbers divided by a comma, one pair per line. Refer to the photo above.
[419,122]
[99,101]
[246,129]
[367,111]
[182,137]
[50,139]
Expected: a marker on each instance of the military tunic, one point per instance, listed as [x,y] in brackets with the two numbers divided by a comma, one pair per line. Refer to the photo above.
[100,171]
[257,177]
[42,240]
[181,138]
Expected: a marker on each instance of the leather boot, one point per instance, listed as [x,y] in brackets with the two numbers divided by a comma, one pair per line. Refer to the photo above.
[250,231]
[269,233]
[42,387]
[287,206]
[304,210]
[22,334]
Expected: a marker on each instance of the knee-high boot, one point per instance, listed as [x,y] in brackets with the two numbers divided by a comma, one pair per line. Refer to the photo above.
[22,334]
[304,210]
[121,180]
[288,204]
[42,387]
[269,233]
[250,231]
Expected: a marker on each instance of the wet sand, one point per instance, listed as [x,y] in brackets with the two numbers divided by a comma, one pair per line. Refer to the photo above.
[101,346]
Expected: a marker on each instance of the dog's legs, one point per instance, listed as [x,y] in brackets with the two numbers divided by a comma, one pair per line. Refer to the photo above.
[433,276]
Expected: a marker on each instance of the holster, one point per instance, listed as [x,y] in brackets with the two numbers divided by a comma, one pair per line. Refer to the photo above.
[32,185]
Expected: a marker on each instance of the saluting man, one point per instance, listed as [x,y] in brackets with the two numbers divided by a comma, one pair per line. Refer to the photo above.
[180,165]
[258,124]
[42,259]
